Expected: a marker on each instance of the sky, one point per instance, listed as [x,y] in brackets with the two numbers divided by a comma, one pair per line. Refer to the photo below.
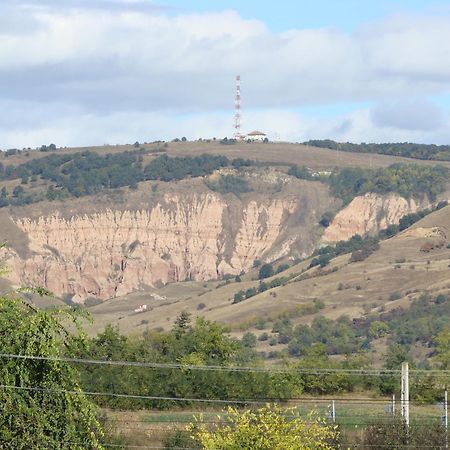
[93,72]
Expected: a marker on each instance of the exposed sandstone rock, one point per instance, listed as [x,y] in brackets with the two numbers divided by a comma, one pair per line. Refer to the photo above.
[113,253]
[369,214]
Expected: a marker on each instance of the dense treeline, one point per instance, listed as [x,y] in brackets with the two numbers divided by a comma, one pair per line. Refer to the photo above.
[407,180]
[198,344]
[87,173]
[178,168]
[405,149]
[206,343]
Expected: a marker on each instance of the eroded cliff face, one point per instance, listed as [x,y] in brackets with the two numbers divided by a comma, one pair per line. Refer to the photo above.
[113,253]
[369,213]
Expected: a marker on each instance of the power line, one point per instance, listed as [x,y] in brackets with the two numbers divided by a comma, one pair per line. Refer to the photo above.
[132,396]
[199,400]
[152,365]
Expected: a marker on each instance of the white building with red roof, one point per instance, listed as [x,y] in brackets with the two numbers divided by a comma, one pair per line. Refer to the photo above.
[256,136]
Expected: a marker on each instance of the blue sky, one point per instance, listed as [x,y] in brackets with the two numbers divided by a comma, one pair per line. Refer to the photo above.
[80,72]
[286,14]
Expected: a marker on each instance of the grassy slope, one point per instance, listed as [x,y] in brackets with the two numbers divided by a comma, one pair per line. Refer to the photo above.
[352,288]
[313,157]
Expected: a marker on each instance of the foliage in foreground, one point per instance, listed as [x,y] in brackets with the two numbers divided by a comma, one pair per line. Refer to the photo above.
[395,435]
[267,428]
[46,408]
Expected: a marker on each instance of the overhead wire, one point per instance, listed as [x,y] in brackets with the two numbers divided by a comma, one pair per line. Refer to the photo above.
[274,370]
[203,400]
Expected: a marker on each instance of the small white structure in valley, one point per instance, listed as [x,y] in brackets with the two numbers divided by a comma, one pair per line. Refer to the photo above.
[141,309]
[256,136]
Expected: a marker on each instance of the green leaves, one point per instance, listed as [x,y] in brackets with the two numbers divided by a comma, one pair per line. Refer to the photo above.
[407,180]
[44,406]
[267,428]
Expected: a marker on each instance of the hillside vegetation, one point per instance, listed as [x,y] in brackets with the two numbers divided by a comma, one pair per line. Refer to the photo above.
[65,175]
[408,180]
[404,149]
[88,173]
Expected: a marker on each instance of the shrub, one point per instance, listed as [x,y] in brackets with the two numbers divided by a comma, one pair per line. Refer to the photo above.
[273,341]
[249,340]
[282,268]
[263,337]
[265,271]
[238,297]
[441,298]
[261,323]
[227,184]
[395,296]
[326,219]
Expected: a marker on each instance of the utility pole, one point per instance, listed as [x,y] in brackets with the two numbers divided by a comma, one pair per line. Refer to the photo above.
[446,417]
[404,401]
[393,405]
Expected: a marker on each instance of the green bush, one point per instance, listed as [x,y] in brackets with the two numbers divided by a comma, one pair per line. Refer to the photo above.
[265,271]
[227,184]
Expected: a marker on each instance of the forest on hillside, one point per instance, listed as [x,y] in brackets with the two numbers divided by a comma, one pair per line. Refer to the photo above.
[405,149]
[407,180]
[87,173]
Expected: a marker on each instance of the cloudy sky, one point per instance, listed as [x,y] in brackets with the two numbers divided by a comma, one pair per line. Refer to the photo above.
[81,72]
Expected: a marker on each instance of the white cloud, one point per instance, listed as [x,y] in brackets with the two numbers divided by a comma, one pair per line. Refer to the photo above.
[118,69]
[409,114]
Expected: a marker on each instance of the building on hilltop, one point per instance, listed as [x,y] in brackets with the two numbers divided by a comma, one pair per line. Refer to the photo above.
[256,136]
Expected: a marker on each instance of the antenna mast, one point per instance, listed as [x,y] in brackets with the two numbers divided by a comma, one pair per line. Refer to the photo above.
[237,115]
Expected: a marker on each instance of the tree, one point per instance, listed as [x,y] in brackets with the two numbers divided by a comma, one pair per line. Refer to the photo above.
[182,324]
[267,428]
[378,329]
[18,191]
[265,271]
[395,435]
[4,198]
[443,348]
[46,408]
[326,219]
[249,340]
[239,296]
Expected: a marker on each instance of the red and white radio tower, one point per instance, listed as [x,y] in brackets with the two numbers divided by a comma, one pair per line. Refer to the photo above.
[237,115]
